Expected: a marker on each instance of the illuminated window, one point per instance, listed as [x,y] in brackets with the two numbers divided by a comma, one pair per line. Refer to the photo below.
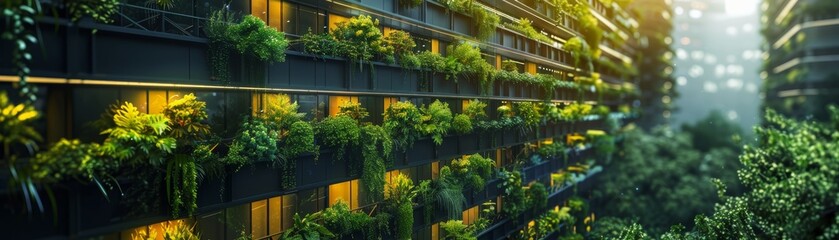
[335,103]
[259,219]
[259,8]
[435,170]
[136,97]
[275,12]
[388,101]
[470,215]
[346,192]
[435,231]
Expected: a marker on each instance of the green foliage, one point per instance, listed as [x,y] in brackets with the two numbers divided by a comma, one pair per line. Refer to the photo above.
[475,109]
[219,41]
[401,42]
[579,49]
[461,124]
[281,112]
[343,222]
[725,134]
[253,37]
[20,29]
[436,120]
[182,184]
[513,195]
[254,143]
[16,122]
[456,230]
[483,19]
[186,117]
[321,44]
[472,171]
[306,228]
[660,179]
[375,150]
[138,136]
[353,110]
[300,139]
[449,193]
[339,132]
[791,176]
[575,111]
[68,159]
[529,113]
[400,192]
[362,37]
[403,121]
[473,63]
[537,196]
[525,27]
[98,10]
[551,150]
[548,223]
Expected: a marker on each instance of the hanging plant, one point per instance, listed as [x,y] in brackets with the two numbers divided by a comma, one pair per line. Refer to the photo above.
[219,41]
[473,63]
[375,150]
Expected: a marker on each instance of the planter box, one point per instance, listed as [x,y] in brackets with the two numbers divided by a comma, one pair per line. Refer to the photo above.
[423,150]
[208,191]
[439,84]
[510,137]
[311,172]
[449,148]
[359,78]
[468,143]
[468,88]
[242,182]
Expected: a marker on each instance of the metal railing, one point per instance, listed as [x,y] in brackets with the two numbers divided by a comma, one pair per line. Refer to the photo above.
[157,20]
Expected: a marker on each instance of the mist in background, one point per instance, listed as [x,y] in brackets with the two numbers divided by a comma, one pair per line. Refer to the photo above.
[717,60]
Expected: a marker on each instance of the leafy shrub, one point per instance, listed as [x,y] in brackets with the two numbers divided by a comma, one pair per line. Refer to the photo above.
[513,194]
[456,230]
[475,109]
[403,121]
[401,42]
[254,143]
[300,139]
[400,192]
[529,113]
[322,44]
[353,110]
[362,37]
[307,228]
[461,124]
[186,117]
[138,137]
[473,63]
[436,120]
[343,222]
[404,221]
[68,159]
[410,3]
[525,27]
[339,132]
[98,10]
[537,196]
[253,37]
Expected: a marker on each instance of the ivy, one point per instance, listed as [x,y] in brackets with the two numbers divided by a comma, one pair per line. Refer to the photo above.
[375,150]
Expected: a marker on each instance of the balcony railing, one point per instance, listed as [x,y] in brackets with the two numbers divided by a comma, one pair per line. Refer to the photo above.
[157,20]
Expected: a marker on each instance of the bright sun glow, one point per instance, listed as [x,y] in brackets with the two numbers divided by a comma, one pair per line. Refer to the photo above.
[740,7]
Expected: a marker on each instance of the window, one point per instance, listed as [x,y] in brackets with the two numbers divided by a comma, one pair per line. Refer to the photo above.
[346,192]
[335,103]
[471,215]
[259,219]
[259,8]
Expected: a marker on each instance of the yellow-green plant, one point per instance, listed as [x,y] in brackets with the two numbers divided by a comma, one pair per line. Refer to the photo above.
[403,121]
[436,120]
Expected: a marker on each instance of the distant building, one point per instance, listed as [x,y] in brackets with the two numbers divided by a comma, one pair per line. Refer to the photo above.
[656,67]
[801,67]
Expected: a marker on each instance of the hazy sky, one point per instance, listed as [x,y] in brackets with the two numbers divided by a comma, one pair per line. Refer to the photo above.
[717,48]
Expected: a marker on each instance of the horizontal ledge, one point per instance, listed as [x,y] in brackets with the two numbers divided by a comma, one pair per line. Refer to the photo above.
[75,81]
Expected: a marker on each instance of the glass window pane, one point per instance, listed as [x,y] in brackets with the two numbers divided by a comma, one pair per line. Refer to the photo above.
[238,220]
[259,219]
[259,8]
[289,208]
[275,17]
[274,215]
[340,191]
[308,19]
[289,18]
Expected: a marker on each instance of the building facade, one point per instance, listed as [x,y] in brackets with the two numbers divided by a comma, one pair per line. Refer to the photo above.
[800,55]
[194,160]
